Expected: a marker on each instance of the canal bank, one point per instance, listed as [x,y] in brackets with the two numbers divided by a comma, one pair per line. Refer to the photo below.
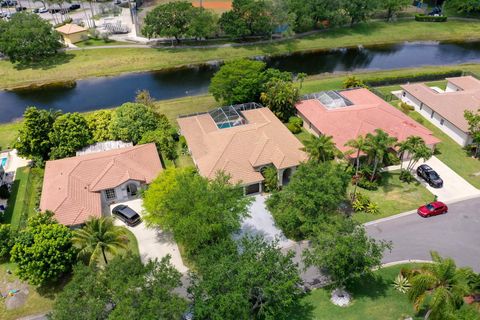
[107,62]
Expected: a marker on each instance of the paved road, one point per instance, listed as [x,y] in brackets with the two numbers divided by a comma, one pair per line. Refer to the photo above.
[455,234]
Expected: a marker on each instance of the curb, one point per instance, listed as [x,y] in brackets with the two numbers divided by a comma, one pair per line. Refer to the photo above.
[395,263]
[404,214]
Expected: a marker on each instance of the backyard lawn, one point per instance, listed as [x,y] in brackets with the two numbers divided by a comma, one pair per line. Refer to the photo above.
[8,133]
[373,299]
[394,196]
[102,62]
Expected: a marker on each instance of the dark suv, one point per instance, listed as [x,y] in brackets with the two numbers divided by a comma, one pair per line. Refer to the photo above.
[430,176]
[127,215]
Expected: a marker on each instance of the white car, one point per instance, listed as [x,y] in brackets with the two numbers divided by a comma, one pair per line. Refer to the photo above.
[42,10]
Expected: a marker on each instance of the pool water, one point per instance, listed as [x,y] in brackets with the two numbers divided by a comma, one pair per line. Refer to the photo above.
[3,162]
[225,125]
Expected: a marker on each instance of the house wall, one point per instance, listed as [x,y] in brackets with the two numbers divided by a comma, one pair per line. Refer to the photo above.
[452,88]
[74,38]
[309,126]
[121,193]
[449,128]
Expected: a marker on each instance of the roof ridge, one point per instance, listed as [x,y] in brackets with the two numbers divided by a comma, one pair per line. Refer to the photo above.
[102,174]
[222,153]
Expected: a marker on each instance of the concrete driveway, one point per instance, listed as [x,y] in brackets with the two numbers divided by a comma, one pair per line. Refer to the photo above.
[152,242]
[454,186]
[261,222]
[455,234]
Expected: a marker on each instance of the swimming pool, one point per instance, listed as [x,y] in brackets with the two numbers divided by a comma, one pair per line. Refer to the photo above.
[3,162]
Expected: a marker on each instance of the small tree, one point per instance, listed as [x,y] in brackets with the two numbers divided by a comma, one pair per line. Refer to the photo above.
[247,18]
[43,251]
[353,82]
[28,38]
[281,96]
[321,148]
[473,120]
[69,133]
[144,97]
[99,125]
[342,247]
[394,6]
[360,10]
[271,178]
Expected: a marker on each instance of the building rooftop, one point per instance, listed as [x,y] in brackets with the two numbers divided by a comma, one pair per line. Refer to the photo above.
[71,186]
[450,104]
[366,113]
[70,29]
[240,149]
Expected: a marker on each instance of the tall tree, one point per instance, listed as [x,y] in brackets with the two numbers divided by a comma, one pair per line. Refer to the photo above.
[468,6]
[358,146]
[315,190]
[98,238]
[28,38]
[321,148]
[69,133]
[43,251]
[247,18]
[197,210]
[473,119]
[281,96]
[165,142]
[439,287]
[394,6]
[204,24]
[360,10]
[342,247]
[251,279]
[378,145]
[33,141]
[99,125]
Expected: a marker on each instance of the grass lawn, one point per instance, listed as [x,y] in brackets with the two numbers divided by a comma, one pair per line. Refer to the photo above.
[101,62]
[25,196]
[37,303]
[303,135]
[8,133]
[394,196]
[100,42]
[373,299]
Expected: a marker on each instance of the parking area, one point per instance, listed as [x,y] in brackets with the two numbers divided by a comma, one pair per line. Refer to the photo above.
[454,186]
[261,222]
[152,242]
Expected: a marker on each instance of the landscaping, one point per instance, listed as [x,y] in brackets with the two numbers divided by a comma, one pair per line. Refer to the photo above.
[103,62]
[373,298]
[393,196]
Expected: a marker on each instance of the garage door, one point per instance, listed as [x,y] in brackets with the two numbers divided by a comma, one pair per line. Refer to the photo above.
[253,188]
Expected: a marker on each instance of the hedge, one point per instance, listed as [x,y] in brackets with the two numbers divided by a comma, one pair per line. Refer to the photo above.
[427,18]
[416,77]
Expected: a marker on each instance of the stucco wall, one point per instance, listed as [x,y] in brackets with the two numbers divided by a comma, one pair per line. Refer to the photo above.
[74,37]
[121,192]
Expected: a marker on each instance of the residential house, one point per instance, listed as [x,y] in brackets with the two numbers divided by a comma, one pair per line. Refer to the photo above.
[72,33]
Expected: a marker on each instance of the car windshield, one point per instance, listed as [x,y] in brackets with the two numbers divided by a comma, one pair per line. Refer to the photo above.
[430,207]
[433,175]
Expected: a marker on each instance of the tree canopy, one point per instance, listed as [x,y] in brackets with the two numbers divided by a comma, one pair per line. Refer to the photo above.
[342,248]
[99,125]
[281,96]
[197,210]
[27,37]
[315,190]
[69,133]
[360,10]
[250,279]
[473,120]
[43,251]
[124,289]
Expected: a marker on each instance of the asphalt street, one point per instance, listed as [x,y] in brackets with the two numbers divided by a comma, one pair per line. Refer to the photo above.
[455,234]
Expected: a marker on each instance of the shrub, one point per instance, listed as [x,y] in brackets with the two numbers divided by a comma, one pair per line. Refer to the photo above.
[364,199]
[4,192]
[406,176]
[183,143]
[271,178]
[296,121]
[367,184]
[372,208]
[405,107]
[427,18]
[293,128]
[358,206]
[415,77]
[401,283]
[353,82]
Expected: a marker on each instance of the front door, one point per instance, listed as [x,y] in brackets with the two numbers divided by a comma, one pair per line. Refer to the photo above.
[132,190]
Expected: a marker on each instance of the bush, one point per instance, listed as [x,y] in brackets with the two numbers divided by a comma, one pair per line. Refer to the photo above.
[406,176]
[367,184]
[418,77]
[405,107]
[183,143]
[271,178]
[372,208]
[361,202]
[296,121]
[4,192]
[427,18]
[293,128]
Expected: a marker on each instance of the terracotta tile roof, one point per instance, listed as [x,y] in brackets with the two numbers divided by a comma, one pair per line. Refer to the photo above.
[70,29]
[368,112]
[450,105]
[240,150]
[71,186]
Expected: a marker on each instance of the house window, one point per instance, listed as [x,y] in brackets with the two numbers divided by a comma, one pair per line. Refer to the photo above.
[110,194]
[421,105]
[442,121]
[433,112]
[404,93]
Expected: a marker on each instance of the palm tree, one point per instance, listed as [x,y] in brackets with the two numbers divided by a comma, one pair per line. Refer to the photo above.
[320,149]
[357,144]
[439,287]
[99,236]
[377,147]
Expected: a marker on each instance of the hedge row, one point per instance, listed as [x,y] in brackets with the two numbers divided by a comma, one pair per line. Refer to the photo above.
[416,77]
[427,18]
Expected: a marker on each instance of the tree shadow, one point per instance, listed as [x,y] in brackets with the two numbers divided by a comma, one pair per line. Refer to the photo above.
[372,286]
[51,290]
[12,200]
[303,310]
[47,63]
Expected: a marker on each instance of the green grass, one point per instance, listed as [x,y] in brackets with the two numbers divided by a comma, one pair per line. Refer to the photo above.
[102,62]
[373,299]
[100,42]
[24,197]
[303,135]
[37,302]
[8,133]
[394,196]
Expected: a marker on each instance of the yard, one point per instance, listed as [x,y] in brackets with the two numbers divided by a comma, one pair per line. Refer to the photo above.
[373,299]
[394,196]
[99,42]
[102,62]
[8,133]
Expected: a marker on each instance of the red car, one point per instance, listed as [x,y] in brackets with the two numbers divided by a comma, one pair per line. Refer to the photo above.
[432,209]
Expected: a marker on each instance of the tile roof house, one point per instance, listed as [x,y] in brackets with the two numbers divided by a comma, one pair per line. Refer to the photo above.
[241,140]
[445,108]
[348,114]
[72,33]
[79,187]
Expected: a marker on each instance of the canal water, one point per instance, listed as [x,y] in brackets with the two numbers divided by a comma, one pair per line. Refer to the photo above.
[105,92]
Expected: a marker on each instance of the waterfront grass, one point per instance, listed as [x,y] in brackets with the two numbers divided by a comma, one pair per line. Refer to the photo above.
[8,133]
[103,62]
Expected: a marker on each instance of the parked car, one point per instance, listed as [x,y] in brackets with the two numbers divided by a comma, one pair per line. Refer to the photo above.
[43,10]
[127,215]
[8,3]
[19,9]
[432,209]
[74,7]
[430,176]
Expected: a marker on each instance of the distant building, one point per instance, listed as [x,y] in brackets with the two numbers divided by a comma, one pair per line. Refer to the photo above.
[79,187]
[72,33]
[445,109]
[348,114]
[242,140]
